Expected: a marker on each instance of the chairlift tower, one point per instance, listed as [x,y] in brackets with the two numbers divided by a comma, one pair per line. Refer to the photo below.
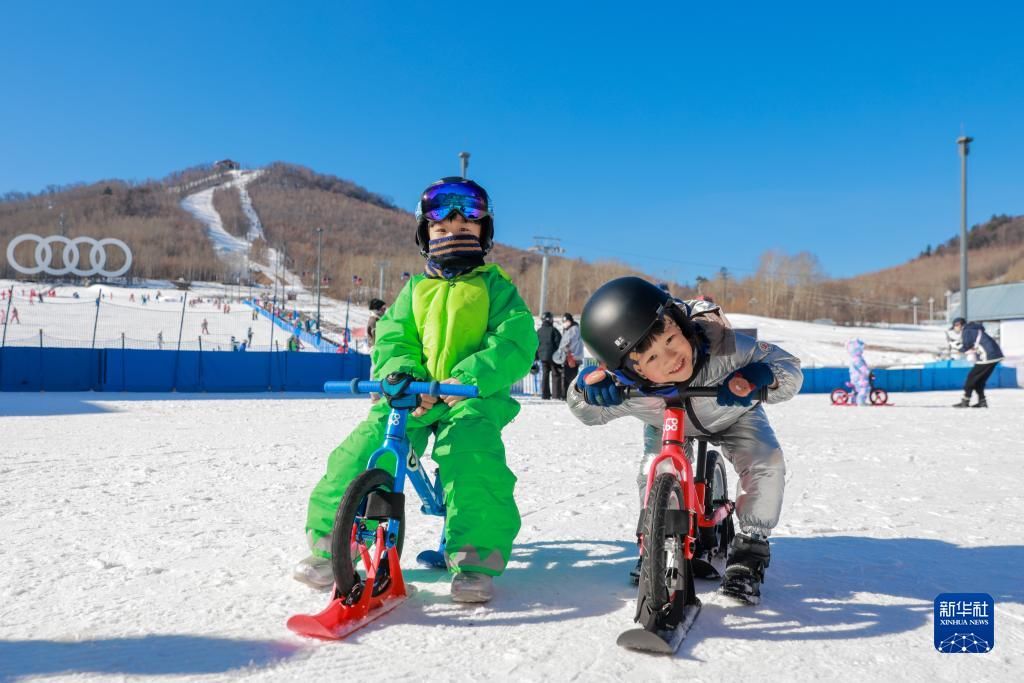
[545,246]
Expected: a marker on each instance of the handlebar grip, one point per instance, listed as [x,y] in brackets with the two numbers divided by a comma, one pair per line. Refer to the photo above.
[358,386]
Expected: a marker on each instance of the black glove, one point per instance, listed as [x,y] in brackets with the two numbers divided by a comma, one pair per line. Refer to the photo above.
[758,374]
[603,393]
[394,387]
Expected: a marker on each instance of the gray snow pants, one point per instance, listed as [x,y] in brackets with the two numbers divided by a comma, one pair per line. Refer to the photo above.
[750,445]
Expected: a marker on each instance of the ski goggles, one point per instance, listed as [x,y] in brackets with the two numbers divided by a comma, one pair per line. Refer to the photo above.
[440,201]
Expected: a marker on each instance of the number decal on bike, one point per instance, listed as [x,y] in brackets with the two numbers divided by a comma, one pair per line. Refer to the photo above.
[394,419]
[671,424]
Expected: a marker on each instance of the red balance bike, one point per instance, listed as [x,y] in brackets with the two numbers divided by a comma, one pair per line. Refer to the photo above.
[848,396]
[687,518]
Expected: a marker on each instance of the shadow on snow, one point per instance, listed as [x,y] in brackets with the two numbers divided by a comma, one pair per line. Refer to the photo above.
[143,655]
[829,588]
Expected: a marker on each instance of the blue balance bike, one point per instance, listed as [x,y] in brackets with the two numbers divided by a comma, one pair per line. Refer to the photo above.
[369,528]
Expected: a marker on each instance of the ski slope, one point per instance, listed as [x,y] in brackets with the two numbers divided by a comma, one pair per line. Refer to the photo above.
[815,344]
[151,536]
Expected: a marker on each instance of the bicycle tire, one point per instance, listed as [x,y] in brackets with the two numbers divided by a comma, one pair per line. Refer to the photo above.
[838,396]
[879,397]
[664,570]
[716,492]
[345,563]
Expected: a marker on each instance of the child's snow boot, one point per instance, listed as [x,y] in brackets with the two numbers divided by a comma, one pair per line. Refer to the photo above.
[964,402]
[982,403]
[315,572]
[472,587]
[744,571]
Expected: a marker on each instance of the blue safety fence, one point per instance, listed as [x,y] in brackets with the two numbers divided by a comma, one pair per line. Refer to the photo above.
[943,376]
[315,341]
[50,369]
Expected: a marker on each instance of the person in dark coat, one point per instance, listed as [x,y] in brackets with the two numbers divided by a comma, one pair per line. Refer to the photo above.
[377,308]
[549,339]
[974,339]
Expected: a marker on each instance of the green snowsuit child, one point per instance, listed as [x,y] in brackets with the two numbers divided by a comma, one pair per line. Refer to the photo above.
[466,324]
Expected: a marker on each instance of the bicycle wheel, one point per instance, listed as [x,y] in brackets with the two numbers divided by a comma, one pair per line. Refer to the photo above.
[879,397]
[368,503]
[838,396]
[714,540]
[664,572]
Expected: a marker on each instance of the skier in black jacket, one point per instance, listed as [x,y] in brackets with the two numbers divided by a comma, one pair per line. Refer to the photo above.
[549,339]
[973,338]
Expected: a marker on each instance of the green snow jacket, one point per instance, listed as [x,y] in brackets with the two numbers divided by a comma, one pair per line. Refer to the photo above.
[475,328]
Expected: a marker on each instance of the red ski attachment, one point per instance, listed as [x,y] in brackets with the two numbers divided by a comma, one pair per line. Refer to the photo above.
[340,619]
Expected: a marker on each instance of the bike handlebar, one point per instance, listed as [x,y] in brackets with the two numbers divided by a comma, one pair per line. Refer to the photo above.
[357,386]
[694,392]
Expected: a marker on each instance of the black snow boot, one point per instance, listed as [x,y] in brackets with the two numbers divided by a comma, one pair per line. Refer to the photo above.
[982,403]
[744,570]
[964,402]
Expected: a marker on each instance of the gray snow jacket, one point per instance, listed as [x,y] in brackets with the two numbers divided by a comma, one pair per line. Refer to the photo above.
[729,351]
[571,343]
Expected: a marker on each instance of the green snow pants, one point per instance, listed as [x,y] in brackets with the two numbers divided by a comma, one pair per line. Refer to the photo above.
[482,518]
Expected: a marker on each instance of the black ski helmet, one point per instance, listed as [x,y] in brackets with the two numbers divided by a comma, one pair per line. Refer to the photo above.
[466,185]
[621,313]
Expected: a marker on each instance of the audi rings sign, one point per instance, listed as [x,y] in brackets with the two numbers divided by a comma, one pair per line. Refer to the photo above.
[71,255]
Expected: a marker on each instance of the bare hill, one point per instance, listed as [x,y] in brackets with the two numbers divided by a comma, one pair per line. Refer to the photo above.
[363,230]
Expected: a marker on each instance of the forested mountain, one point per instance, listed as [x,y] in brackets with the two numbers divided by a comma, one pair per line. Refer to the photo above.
[363,230]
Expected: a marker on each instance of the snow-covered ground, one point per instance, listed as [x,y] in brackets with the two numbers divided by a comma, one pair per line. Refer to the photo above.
[819,345]
[150,535]
[68,322]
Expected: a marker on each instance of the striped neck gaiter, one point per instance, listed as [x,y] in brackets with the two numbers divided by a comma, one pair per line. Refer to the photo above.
[450,257]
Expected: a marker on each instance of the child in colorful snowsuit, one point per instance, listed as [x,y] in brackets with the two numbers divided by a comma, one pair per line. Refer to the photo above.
[655,343]
[461,322]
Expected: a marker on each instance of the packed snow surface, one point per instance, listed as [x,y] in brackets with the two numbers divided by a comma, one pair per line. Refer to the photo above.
[154,535]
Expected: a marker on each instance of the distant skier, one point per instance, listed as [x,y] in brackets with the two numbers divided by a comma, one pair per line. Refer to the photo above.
[974,339]
[14,316]
[206,327]
[654,343]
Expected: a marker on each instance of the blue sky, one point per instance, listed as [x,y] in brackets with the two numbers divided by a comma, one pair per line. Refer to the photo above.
[680,138]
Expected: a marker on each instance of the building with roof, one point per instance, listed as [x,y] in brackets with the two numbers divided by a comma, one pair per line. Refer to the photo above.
[1001,309]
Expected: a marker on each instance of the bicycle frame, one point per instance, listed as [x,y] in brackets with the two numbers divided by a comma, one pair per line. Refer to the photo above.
[407,463]
[364,602]
[672,459]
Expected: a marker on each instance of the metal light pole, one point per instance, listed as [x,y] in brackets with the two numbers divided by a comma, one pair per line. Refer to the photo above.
[464,163]
[319,244]
[914,301]
[965,148]
[380,284]
[545,246]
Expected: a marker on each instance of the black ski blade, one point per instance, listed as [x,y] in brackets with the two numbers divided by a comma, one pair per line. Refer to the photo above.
[660,642]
